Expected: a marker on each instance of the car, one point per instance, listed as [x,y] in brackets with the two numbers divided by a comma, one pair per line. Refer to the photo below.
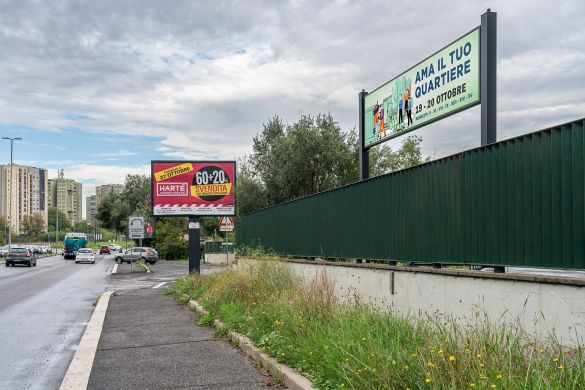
[105,250]
[4,250]
[85,255]
[21,255]
[148,255]
[115,248]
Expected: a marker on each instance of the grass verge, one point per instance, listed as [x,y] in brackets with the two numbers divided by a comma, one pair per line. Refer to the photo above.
[356,346]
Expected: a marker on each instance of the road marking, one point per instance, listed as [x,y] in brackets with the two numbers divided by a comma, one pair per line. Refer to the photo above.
[160,284]
[77,376]
[115,269]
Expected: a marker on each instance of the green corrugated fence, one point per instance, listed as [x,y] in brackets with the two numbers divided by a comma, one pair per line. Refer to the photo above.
[517,202]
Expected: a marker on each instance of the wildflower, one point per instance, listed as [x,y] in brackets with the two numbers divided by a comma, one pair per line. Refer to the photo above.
[541,350]
[440,350]
[393,362]
[555,360]
[311,353]
[413,354]
[342,385]
[428,380]
[493,386]
[433,350]
[561,367]
[282,354]
[372,355]
[472,385]
[467,350]
[451,358]
[499,376]
[373,370]
[481,365]
[478,355]
[430,364]
[363,339]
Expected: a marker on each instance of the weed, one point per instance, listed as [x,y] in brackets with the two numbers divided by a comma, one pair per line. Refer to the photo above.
[356,346]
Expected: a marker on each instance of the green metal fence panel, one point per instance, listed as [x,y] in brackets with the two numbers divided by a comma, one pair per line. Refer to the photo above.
[517,202]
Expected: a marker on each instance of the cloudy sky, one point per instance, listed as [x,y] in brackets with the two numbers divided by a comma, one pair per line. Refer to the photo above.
[100,88]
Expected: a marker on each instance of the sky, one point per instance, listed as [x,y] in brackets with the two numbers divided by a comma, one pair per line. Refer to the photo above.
[101,88]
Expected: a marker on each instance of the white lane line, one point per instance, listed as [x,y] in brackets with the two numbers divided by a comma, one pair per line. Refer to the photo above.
[77,376]
[160,285]
[115,269]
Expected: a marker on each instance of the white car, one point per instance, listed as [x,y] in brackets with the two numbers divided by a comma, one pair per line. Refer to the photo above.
[3,251]
[85,255]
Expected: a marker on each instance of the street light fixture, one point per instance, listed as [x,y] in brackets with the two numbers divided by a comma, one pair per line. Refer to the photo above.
[10,192]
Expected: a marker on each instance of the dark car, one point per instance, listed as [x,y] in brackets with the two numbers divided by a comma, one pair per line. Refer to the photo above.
[20,255]
[148,255]
[105,250]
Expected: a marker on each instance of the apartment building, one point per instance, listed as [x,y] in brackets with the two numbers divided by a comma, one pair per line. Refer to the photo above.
[103,190]
[24,192]
[66,196]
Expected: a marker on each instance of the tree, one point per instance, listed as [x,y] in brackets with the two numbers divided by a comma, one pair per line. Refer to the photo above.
[3,230]
[32,225]
[113,212]
[137,194]
[311,155]
[64,223]
[250,193]
[169,240]
[385,160]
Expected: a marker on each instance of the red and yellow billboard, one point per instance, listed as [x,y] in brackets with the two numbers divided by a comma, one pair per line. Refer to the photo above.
[193,188]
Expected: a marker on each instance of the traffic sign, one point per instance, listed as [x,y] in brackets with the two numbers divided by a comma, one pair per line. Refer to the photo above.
[226,224]
[136,227]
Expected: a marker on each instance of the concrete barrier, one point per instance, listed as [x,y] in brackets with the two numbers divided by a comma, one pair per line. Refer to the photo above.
[220,258]
[544,306]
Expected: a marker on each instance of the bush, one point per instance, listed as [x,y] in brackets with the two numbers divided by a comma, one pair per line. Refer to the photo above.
[173,250]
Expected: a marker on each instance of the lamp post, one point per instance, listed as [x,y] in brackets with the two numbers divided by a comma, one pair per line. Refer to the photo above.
[10,193]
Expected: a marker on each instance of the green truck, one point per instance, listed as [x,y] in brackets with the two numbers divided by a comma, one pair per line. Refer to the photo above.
[72,243]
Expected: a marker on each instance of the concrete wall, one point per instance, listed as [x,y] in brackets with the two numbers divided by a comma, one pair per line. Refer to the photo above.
[543,306]
[220,258]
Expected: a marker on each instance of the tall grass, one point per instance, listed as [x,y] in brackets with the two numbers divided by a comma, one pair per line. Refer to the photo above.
[355,346]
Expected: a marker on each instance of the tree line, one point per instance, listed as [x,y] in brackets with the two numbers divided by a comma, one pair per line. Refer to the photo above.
[288,161]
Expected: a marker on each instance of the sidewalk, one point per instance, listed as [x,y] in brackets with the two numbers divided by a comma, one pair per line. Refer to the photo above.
[149,341]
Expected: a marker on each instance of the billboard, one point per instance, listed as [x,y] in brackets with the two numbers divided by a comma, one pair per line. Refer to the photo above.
[202,188]
[443,84]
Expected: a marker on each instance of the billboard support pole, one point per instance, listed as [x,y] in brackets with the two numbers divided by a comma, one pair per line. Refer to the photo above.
[364,152]
[194,249]
[488,65]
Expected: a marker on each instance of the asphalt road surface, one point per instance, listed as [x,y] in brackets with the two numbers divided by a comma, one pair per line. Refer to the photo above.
[43,313]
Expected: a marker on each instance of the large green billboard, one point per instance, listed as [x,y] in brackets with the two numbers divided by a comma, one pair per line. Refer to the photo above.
[444,83]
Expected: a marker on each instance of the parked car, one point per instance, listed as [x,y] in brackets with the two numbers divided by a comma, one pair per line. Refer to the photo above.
[105,250]
[85,255]
[3,251]
[148,255]
[21,255]
[115,248]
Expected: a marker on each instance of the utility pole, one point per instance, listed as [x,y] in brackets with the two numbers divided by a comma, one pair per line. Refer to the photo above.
[10,192]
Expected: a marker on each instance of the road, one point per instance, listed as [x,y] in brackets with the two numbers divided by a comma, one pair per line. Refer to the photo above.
[43,313]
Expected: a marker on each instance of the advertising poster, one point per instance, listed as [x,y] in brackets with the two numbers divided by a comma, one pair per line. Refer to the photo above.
[444,83]
[201,188]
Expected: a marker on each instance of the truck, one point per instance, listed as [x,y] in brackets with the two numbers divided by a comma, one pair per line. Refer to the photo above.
[72,243]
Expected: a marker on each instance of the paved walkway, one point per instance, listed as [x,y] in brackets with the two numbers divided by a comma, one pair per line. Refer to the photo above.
[151,342]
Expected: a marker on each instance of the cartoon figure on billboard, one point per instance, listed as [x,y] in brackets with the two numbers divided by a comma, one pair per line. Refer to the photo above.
[382,129]
[376,109]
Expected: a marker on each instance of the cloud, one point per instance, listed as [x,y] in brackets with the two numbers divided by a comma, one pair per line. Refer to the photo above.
[198,79]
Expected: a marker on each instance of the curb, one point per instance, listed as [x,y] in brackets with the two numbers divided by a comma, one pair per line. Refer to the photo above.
[291,378]
[77,376]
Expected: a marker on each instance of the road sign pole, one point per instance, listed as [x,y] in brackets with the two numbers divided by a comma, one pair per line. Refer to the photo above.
[194,249]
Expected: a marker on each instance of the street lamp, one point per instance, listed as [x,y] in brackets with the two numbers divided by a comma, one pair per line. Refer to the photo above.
[10,192]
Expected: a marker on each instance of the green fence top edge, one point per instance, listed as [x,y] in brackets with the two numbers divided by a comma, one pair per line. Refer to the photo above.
[451,156]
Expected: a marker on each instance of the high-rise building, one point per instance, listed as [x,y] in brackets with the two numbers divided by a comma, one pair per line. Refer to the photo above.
[66,196]
[25,192]
[103,190]
[90,208]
